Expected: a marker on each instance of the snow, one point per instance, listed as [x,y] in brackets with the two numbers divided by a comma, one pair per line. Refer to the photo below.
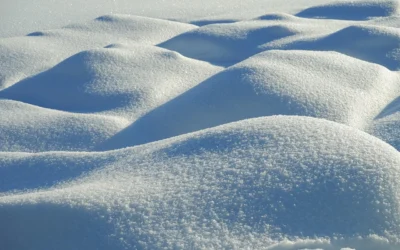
[352,10]
[30,128]
[48,48]
[366,42]
[128,80]
[320,84]
[387,124]
[248,183]
[203,125]
[21,17]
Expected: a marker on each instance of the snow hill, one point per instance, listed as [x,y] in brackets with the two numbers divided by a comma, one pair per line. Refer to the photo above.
[259,126]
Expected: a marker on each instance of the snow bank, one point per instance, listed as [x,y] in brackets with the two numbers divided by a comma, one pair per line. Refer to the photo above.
[371,43]
[198,158]
[320,84]
[29,128]
[128,80]
[267,183]
[227,43]
[230,43]
[21,57]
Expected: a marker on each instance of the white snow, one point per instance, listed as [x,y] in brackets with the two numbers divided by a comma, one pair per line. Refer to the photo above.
[30,128]
[319,84]
[21,17]
[200,125]
[245,184]
[128,80]
[352,10]
[387,124]
[47,48]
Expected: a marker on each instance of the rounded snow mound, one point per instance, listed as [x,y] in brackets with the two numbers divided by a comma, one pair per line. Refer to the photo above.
[277,182]
[29,128]
[121,79]
[21,57]
[228,43]
[354,10]
[320,84]
[371,43]
[379,44]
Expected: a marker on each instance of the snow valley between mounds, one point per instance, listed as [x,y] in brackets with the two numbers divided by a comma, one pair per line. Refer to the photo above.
[280,131]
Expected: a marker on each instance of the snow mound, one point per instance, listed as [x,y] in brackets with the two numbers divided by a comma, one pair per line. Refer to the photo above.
[354,10]
[29,128]
[371,43]
[48,48]
[276,182]
[227,43]
[237,126]
[320,84]
[127,80]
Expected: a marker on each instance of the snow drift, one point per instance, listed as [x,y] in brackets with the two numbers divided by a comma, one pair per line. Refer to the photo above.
[244,184]
[319,84]
[123,80]
[262,125]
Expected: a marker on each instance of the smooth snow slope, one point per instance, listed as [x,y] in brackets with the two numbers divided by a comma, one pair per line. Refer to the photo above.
[231,125]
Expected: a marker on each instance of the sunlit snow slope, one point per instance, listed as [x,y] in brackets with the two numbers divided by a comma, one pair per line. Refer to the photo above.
[278,131]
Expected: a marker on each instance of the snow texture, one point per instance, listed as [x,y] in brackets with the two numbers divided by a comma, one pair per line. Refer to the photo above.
[223,125]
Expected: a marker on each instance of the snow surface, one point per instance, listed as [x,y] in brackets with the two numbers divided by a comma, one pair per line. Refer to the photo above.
[219,125]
